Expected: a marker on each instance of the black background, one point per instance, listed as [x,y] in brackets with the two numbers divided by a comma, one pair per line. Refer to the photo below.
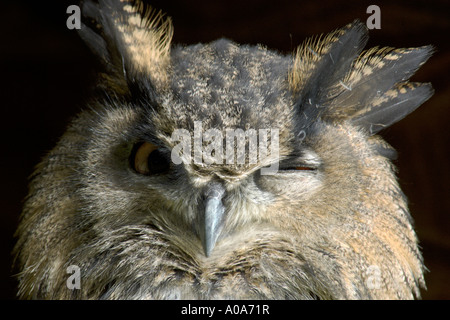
[47,73]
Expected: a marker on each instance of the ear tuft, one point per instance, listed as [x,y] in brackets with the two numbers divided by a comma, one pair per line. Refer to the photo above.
[392,106]
[131,40]
[378,93]
[334,82]
[321,60]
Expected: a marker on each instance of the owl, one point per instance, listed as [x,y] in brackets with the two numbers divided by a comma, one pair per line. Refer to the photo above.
[225,171]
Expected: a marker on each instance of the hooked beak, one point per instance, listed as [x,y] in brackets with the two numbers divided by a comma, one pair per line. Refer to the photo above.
[211,222]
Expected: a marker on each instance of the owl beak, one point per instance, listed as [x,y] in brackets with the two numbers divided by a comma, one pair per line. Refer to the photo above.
[211,224]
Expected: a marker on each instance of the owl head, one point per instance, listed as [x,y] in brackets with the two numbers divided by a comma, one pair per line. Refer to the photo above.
[220,170]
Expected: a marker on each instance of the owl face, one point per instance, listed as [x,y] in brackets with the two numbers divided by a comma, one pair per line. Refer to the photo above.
[226,171]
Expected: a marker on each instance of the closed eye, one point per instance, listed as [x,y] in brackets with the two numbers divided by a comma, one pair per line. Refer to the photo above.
[299,168]
[309,161]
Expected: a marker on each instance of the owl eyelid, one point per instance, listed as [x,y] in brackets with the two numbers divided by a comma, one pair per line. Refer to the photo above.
[308,161]
[300,167]
[300,164]
[305,168]
[141,154]
[142,161]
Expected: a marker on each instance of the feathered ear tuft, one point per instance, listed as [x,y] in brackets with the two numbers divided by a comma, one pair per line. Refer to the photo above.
[333,81]
[131,40]
[320,61]
[392,106]
[380,94]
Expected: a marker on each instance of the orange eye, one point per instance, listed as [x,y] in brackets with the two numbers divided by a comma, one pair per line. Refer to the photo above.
[149,159]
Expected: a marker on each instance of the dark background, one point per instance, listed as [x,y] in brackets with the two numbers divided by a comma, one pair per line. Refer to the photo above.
[47,73]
